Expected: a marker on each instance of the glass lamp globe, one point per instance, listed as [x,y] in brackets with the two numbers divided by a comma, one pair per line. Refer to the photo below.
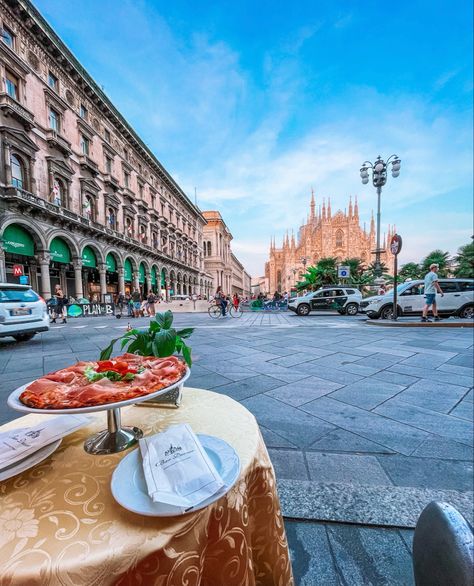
[379,167]
[395,173]
[396,165]
[365,180]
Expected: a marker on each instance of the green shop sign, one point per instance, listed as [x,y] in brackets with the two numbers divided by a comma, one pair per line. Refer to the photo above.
[141,274]
[111,264]
[18,241]
[127,270]
[60,251]
[88,258]
[153,276]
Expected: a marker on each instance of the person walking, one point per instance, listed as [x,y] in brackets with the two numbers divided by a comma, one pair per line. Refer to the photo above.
[431,288]
[221,300]
[235,301]
[137,303]
[151,299]
[61,303]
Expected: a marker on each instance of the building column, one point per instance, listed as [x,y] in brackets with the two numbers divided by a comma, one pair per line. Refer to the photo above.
[78,278]
[136,282]
[3,268]
[103,280]
[7,164]
[121,280]
[44,260]
[31,173]
[147,282]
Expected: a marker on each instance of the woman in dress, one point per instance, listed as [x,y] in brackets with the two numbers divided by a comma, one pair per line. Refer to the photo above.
[61,302]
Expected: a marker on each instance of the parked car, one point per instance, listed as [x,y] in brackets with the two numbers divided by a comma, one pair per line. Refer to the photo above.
[23,312]
[458,300]
[345,300]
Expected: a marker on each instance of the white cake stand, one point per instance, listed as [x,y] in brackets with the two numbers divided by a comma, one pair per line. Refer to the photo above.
[113,439]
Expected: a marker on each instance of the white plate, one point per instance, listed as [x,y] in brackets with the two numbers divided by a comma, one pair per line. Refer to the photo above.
[129,486]
[14,402]
[29,461]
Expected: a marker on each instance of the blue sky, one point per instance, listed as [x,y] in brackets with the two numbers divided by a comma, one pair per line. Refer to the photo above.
[254,102]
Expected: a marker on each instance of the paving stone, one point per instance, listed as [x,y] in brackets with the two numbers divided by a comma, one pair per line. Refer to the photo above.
[379,359]
[370,557]
[395,378]
[435,473]
[463,370]
[341,440]
[331,374]
[424,361]
[464,410]
[207,381]
[442,425]
[392,434]
[462,360]
[303,391]
[311,557]
[240,390]
[234,373]
[360,369]
[367,393]
[334,360]
[293,359]
[445,449]
[288,463]
[432,374]
[353,469]
[273,440]
[431,395]
[302,429]
[407,536]
[287,375]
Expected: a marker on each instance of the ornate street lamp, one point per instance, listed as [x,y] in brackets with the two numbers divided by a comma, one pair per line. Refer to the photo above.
[379,179]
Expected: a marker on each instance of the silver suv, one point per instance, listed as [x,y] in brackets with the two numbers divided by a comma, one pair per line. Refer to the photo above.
[23,312]
[458,300]
[345,300]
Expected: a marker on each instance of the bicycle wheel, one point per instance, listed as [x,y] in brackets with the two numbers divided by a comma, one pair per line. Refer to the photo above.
[236,312]
[214,311]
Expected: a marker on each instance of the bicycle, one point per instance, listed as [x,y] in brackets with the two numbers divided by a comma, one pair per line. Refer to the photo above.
[215,310]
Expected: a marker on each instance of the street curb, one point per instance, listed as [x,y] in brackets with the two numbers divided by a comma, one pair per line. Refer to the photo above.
[419,324]
[389,506]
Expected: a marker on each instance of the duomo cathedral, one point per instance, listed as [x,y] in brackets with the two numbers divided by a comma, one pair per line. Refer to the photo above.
[325,234]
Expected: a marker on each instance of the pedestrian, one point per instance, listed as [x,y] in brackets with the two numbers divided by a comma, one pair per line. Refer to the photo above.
[136,302]
[60,306]
[119,301]
[431,288]
[221,300]
[235,301]
[151,300]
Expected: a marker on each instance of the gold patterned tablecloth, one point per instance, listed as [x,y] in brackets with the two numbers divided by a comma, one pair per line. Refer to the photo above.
[60,525]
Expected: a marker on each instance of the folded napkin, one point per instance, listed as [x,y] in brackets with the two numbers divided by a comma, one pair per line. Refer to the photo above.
[17,444]
[177,469]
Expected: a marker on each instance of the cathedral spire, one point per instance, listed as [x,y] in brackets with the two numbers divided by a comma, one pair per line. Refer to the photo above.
[372,223]
[324,208]
[356,209]
[329,207]
[312,205]
[350,206]
[292,239]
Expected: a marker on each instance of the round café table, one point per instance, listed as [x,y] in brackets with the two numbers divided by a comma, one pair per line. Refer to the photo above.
[60,525]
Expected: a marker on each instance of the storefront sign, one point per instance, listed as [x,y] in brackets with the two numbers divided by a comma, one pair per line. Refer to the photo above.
[59,251]
[18,241]
[111,264]
[18,270]
[90,309]
[88,258]
[24,280]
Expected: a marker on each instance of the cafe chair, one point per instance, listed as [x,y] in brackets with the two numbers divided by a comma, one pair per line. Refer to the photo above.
[443,547]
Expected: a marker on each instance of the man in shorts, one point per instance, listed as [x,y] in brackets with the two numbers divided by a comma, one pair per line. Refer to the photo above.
[137,303]
[431,288]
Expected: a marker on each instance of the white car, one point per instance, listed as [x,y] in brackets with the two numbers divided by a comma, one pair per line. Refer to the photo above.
[345,300]
[458,300]
[23,312]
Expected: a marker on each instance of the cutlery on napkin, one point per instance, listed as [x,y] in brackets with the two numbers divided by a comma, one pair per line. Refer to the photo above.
[177,469]
[18,444]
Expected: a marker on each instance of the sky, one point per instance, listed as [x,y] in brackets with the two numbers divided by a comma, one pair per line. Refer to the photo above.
[254,103]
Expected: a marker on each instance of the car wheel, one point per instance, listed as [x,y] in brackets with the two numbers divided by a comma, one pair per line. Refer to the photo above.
[24,337]
[467,312]
[387,312]
[303,309]
[352,309]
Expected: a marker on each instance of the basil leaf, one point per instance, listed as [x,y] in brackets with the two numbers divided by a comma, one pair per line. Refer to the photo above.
[185,333]
[128,376]
[165,320]
[187,354]
[165,343]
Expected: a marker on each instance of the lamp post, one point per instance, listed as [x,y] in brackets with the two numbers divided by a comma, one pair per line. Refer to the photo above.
[379,179]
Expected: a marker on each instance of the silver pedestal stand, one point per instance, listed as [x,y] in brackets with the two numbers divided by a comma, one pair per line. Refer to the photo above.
[115,438]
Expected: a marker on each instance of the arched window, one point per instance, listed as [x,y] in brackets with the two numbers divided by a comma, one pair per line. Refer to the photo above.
[129,227]
[18,172]
[88,207]
[154,239]
[142,233]
[58,192]
[111,218]
[209,249]
[339,239]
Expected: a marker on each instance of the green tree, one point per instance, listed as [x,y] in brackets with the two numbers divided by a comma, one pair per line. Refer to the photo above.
[465,261]
[324,273]
[440,258]
[410,270]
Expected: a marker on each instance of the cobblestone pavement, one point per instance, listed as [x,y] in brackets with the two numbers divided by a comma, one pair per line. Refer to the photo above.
[350,414]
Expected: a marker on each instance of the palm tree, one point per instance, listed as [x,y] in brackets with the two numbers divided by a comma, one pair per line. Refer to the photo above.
[465,261]
[440,258]
[324,273]
[410,270]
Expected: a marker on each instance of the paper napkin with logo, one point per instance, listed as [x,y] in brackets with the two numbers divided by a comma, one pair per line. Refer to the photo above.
[17,444]
[177,469]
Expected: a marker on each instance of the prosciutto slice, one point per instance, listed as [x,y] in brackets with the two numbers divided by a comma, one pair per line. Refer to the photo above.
[69,388]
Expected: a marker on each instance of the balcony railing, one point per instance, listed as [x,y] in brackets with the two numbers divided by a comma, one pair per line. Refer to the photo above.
[21,195]
[11,107]
[56,140]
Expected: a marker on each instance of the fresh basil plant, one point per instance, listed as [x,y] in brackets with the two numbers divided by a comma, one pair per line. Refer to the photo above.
[160,339]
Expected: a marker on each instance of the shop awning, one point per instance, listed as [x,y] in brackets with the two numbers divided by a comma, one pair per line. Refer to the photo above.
[18,241]
[111,264]
[127,270]
[60,251]
[141,274]
[153,275]
[163,279]
[88,258]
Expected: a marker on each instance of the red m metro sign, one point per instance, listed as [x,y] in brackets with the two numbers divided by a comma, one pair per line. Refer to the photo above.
[17,270]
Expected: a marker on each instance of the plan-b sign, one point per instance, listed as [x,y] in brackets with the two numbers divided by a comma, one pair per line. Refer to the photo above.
[90,309]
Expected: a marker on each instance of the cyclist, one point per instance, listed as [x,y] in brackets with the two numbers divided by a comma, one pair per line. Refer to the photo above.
[221,300]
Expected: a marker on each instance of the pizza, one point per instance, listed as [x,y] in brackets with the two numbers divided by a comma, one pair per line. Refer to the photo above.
[87,384]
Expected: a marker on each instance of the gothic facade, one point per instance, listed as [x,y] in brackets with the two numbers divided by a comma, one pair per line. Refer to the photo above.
[324,234]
